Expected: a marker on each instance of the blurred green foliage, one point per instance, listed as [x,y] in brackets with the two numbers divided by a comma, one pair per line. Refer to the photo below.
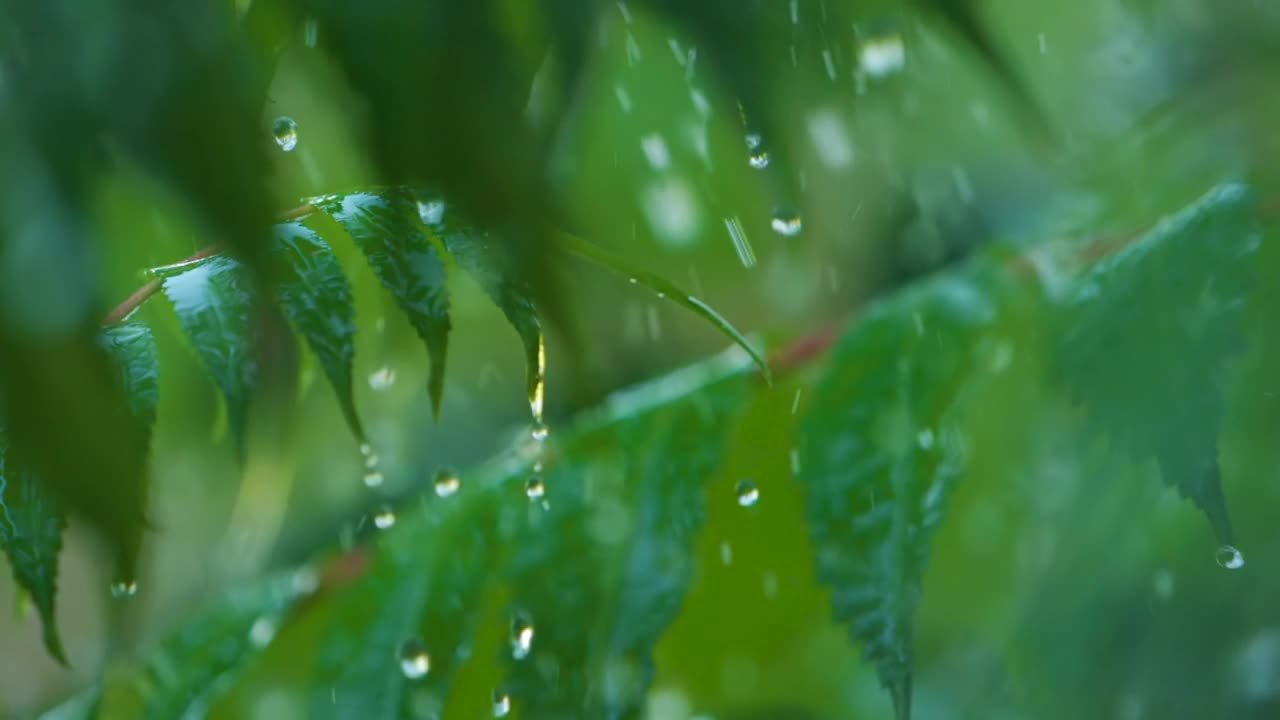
[1039,239]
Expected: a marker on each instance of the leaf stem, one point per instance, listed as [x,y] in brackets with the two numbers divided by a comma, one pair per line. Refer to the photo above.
[131,304]
[598,255]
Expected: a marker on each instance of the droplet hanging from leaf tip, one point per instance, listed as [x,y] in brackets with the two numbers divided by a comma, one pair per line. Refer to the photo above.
[446,482]
[747,492]
[414,661]
[537,389]
[540,431]
[1229,557]
[285,132]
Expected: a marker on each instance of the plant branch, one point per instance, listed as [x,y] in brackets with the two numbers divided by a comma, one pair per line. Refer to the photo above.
[131,304]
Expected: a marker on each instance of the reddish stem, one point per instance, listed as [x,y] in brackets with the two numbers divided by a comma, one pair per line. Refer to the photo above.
[144,293]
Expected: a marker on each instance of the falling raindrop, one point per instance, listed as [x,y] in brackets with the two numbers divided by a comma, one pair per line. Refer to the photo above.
[535,489]
[759,158]
[122,589]
[882,56]
[769,584]
[373,477]
[1230,557]
[656,151]
[501,704]
[310,32]
[262,632]
[384,519]
[741,243]
[521,637]
[414,661]
[747,492]
[924,439]
[786,222]
[382,378]
[540,431]
[285,131]
[447,482]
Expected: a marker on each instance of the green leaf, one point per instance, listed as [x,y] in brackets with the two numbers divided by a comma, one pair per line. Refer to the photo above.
[880,453]
[345,656]
[33,520]
[31,524]
[317,298]
[201,659]
[509,290]
[212,301]
[59,396]
[133,349]
[1152,374]
[601,569]
[386,227]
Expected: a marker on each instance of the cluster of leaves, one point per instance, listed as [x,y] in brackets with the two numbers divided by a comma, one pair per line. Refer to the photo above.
[411,242]
[584,549]
[583,546]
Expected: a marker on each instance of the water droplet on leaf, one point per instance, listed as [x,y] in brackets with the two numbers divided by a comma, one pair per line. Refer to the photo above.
[414,661]
[786,223]
[373,479]
[1229,557]
[447,482]
[535,488]
[285,131]
[384,519]
[758,159]
[521,637]
[747,492]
